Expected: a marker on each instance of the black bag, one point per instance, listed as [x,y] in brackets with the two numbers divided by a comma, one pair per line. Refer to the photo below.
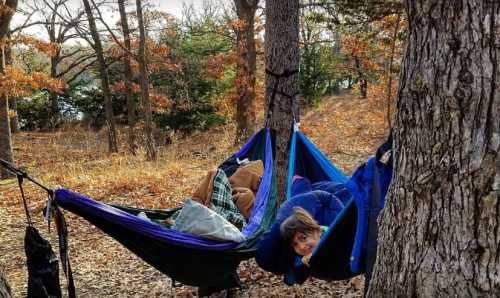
[43,266]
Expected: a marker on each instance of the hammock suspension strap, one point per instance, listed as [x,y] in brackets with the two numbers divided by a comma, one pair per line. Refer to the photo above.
[275,91]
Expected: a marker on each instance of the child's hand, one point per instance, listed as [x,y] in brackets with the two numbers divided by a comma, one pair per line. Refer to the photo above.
[306,259]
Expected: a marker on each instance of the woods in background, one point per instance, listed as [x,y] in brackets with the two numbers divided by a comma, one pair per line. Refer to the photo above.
[204,69]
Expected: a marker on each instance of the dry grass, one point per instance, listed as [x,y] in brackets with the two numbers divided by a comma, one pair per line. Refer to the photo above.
[345,128]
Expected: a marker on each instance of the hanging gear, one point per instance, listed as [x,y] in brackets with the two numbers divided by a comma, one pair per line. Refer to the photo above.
[43,267]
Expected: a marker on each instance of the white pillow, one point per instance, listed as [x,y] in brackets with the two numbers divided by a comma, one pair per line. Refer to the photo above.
[197,219]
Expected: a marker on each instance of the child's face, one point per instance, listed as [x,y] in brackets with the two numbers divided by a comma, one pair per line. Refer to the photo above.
[304,244]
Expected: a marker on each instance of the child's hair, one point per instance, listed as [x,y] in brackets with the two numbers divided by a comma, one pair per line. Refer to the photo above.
[299,222]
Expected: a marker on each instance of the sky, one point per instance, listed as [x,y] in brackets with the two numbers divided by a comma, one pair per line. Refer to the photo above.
[173,7]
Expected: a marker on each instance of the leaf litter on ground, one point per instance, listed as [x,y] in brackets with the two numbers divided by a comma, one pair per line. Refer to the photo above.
[346,129]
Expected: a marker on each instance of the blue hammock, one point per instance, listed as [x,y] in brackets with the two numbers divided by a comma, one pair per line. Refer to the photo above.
[186,258]
[348,247]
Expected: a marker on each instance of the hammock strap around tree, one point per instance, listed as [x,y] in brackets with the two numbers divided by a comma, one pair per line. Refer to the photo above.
[275,91]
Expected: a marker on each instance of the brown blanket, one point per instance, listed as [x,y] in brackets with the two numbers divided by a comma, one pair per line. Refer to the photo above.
[248,176]
[244,182]
[203,194]
[244,199]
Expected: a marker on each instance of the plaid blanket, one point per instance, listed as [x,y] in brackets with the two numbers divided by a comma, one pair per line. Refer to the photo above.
[222,201]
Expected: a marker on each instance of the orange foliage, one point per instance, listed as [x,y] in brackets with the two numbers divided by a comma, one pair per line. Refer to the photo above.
[47,48]
[119,86]
[160,102]
[238,24]
[217,64]
[369,52]
[15,82]
[158,55]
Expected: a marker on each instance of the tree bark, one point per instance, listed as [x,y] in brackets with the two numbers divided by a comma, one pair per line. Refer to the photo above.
[54,99]
[363,83]
[282,56]
[14,120]
[390,70]
[4,285]
[132,146]
[146,104]
[440,229]
[54,61]
[5,135]
[246,68]
[108,106]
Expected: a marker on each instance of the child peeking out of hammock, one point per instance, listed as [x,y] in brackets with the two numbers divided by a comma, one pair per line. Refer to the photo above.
[302,233]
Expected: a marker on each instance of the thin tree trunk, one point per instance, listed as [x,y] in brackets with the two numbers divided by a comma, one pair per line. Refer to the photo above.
[14,120]
[54,98]
[146,104]
[112,140]
[282,56]
[132,146]
[363,83]
[5,135]
[246,67]
[440,229]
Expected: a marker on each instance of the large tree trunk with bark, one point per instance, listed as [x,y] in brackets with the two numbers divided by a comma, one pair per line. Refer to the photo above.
[146,103]
[132,146]
[5,136]
[440,229]
[245,68]
[108,106]
[282,79]
[4,285]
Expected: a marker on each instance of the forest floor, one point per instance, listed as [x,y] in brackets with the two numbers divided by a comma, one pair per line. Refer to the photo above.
[345,128]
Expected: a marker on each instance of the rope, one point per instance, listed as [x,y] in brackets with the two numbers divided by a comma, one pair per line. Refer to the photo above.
[62,230]
[278,77]
[21,175]
[28,215]
[19,172]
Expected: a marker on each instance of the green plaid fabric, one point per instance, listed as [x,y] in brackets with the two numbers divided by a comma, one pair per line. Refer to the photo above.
[222,201]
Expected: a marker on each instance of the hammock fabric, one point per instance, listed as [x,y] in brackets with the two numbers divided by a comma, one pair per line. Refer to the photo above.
[348,247]
[186,258]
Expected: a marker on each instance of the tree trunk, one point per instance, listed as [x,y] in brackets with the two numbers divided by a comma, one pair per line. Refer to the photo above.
[146,104]
[112,141]
[132,146]
[54,98]
[4,285]
[390,70]
[14,120]
[363,83]
[282,57]
[440,229]
[5,136]
[245,69]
